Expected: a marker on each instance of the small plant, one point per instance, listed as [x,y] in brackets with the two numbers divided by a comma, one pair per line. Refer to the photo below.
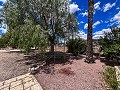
[110,78]
[76,46]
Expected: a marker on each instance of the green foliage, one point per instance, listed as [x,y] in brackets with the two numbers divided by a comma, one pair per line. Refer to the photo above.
[2,43]
[110,78]
[111,44]
[72,25]
[4,40]
[34,23]
[76,46]
[112,52]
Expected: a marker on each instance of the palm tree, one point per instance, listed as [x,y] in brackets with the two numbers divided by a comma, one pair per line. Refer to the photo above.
[89,52]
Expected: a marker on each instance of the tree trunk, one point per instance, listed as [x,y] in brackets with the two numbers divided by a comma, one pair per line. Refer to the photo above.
[89,52]
[52,47]
[52,42]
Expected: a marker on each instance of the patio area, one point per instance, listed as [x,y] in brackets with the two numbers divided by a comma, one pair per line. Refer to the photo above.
[23,82]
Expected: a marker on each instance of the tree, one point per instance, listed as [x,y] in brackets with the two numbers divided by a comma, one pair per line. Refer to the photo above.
[23,31]
[3,41]
[1,20]
[111,44]
[89,52]
[72,25]
[35,22]
[111,37]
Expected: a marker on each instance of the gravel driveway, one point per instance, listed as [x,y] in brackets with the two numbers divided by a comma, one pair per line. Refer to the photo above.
[11,65]
[85,77]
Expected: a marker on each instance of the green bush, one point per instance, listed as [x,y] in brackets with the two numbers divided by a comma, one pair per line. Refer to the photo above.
[111,44]
[76,46]
[112,52]
[3,41]
[110,78]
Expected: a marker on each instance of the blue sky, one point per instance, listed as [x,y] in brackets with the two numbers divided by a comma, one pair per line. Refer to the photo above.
[106,14]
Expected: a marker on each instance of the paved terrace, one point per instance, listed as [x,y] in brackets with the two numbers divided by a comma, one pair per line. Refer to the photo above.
[23,82]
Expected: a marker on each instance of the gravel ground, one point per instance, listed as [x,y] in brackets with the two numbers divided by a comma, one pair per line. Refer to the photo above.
[76,76]
[11,65]
[84,77]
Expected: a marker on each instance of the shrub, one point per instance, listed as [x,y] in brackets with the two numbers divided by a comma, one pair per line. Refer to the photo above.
[3,41]
[111,44]
[110,78]
[112,52]
[76,46]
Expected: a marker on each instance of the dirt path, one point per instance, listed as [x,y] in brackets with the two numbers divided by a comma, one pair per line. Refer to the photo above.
[85,77]
[11,65]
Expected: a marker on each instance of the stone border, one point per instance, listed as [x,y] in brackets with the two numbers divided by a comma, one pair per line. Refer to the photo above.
[118,75]
[37,82]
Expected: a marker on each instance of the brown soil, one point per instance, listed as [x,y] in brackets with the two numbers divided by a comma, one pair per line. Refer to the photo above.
[11,65]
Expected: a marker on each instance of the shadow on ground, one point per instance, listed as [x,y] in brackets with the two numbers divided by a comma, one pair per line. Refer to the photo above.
[50,59]
[109,62]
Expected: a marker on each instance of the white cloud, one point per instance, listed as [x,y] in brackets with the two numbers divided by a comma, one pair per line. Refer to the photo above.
[81,22]
[99,34]
[74,8]
[96,23]
[116,18]
[3,1]
[102,31]
[82,35]
[86,26]
[97,5]
[106,21]
[108,6]
[117,8]
[111,24]
[84,14]
[4,28]
[101,21]
[1,7]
